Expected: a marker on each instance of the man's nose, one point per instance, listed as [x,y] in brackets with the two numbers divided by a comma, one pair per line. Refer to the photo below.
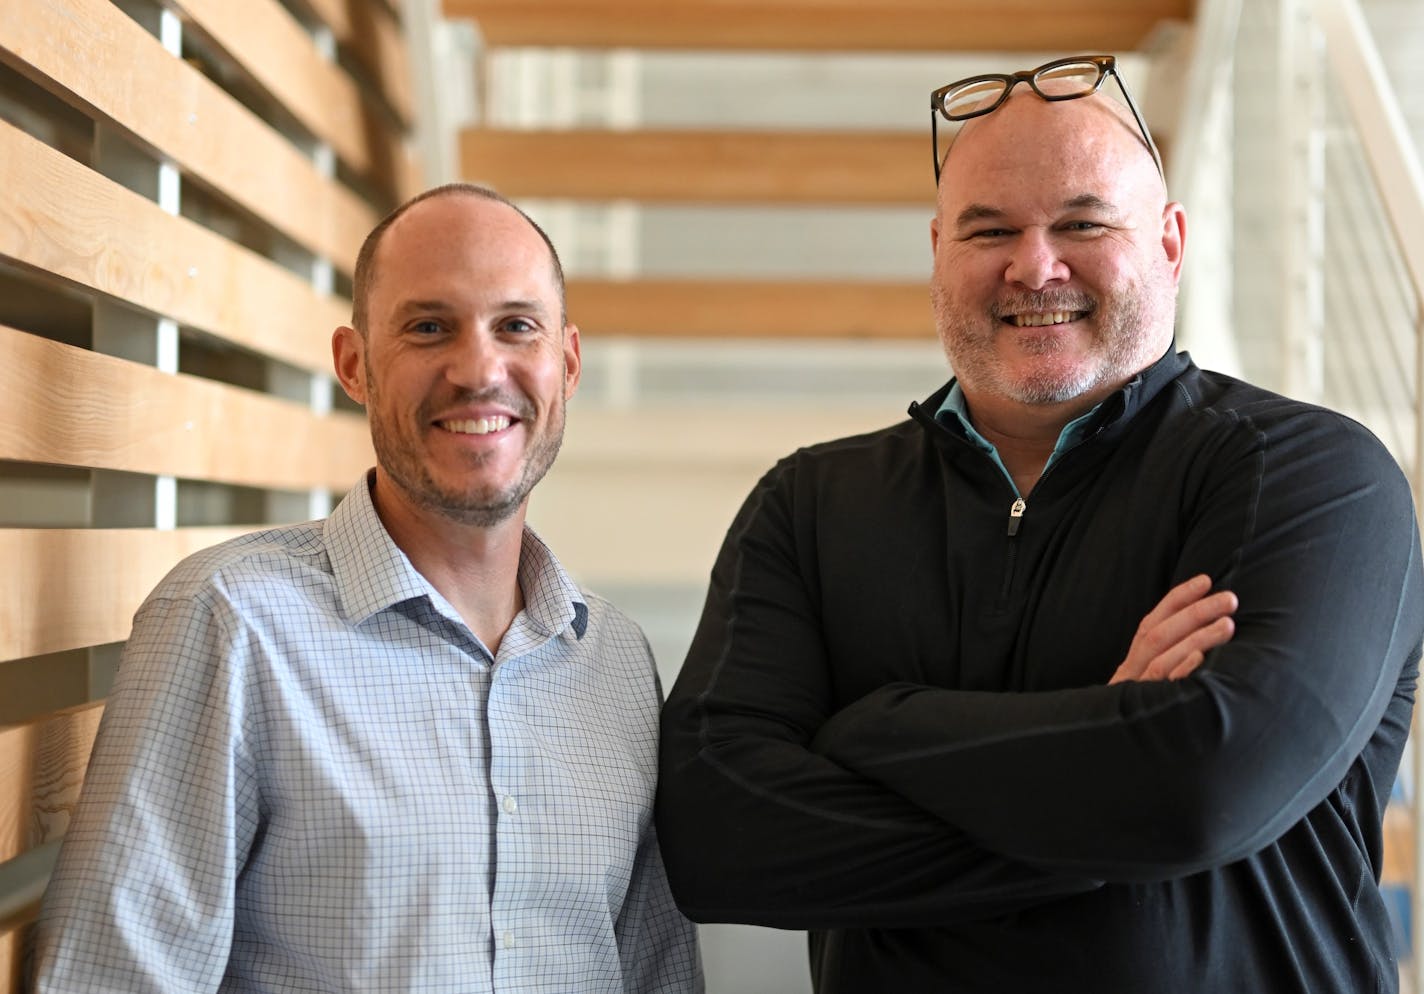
[1034,261]
[477,361]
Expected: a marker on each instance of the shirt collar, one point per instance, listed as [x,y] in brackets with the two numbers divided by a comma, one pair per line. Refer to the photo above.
[373,574]
[955,408]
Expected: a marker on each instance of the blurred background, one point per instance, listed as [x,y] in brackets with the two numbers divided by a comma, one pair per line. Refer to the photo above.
[741,193]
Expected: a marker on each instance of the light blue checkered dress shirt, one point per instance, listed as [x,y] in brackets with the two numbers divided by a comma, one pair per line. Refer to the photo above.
[313,777]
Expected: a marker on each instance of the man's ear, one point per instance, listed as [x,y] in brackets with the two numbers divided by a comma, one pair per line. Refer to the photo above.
[573,360]
[1174,236]
[348,358]
[934,234]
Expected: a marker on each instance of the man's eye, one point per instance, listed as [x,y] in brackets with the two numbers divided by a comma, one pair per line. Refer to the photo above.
[519,326]
[1082,226]
[426,327]
[990,233]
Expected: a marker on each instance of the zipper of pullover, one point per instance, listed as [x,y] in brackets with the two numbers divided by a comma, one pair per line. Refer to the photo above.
[1016,513]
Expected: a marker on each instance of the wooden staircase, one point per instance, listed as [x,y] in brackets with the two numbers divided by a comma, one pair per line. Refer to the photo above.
[888,168]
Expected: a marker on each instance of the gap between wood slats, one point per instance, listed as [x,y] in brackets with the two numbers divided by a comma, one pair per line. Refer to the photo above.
[704,166]
[823,25]
[72,407]
[67,588]
[751,309]
[63,218]
[370,32]
[171,107]
[270,45]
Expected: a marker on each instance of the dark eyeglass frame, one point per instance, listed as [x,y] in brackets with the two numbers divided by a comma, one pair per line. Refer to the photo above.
[1106,66]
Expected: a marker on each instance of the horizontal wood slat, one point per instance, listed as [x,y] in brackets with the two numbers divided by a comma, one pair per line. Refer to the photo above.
[69,588]
[12,945]
[42,766]
[822,25]
[270,45]
[91,54]
[63,218]
[71,407]
[371,33]
[703,166]
[1399,854]
[751,309]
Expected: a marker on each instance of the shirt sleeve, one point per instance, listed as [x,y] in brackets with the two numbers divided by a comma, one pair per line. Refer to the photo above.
[759,828]
[142,896]
[1315,532]
[656,943]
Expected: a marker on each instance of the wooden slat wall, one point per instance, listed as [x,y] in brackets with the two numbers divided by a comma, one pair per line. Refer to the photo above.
[171,106]
[105,413]
[175,231]
[793,167]
[370,30]
[41,770]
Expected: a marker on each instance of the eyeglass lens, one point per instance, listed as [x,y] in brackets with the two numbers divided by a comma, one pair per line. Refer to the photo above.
[975,96]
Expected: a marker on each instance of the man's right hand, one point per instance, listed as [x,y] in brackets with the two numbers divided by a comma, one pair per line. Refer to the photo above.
[1176,635]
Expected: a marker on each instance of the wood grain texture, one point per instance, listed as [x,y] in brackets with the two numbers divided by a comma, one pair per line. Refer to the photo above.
[275,50]
[42,766]
[751,309]
[372,34]
[823,25]
[70,588]
[92,55]
[704,166]
[63,218]
[71,407]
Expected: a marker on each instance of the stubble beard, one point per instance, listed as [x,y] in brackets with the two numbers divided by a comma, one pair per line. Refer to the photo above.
[477,506]
[1122,342]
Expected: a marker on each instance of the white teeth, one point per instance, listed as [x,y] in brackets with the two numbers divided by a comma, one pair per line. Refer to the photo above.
[1041,320]
[476,426]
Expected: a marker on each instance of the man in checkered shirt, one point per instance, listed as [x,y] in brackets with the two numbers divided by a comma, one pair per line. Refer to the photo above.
[398,749]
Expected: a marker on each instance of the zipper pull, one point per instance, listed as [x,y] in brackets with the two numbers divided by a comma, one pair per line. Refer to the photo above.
[1016,514]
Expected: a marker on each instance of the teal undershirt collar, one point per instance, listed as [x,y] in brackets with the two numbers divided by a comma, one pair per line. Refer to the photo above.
[954,409]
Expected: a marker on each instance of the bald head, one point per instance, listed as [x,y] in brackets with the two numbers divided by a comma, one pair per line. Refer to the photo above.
[364,276]
[1063,134]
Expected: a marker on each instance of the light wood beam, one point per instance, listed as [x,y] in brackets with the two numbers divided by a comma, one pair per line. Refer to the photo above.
[63,218]
[823,25]
[751,309]
[882,167]
[371,33]
[72,588]
[41,768]
[72,407]
[268,43]
[114,70]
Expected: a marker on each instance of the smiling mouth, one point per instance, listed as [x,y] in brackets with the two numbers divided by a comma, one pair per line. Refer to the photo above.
[475,426]
[1043,320]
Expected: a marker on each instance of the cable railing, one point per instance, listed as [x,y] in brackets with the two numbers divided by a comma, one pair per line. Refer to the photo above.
[1372,330]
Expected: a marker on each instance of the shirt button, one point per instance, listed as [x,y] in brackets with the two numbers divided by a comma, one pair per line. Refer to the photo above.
[508,940]
[510,805]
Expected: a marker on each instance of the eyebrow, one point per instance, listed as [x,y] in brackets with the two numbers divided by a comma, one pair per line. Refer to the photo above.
[445,307]
[984,212]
